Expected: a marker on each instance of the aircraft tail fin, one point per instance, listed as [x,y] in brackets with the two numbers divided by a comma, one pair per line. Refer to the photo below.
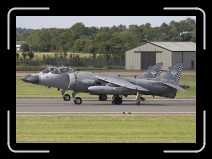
[174,74]
[153,71]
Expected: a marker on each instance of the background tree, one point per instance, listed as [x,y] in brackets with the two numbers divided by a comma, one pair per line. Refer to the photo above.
[109,43]
[24,55]
[17,56]
[24,47]
[91,39]
[30,55]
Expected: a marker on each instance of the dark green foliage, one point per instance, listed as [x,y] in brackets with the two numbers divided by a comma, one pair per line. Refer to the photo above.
[105,40]
[109,42]
[25,47]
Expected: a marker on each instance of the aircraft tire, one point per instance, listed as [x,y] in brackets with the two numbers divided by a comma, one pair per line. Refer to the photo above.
[78,100]
[117,100]
[138,102]
[66,97]
[102,97]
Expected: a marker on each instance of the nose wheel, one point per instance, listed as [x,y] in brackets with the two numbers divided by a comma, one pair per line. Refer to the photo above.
[78,100]
[66,97]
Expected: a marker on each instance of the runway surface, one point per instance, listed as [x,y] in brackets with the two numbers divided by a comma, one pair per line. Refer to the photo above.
[51,105]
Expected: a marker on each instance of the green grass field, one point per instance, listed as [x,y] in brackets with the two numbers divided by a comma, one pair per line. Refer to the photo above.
[189,80]
[28,90]
[106,128]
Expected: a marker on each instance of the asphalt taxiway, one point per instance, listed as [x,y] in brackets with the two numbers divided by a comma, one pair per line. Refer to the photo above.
[53,105]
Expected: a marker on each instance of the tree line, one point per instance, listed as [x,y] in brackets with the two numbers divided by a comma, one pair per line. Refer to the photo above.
[67,59]
[113,40]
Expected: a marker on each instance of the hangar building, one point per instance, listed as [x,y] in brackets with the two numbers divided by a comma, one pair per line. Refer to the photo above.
[169,53]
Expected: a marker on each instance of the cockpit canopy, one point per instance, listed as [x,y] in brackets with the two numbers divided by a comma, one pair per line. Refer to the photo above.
[58,70]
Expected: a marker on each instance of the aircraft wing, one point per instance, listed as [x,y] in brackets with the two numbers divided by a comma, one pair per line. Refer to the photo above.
[121,82]
[177,87]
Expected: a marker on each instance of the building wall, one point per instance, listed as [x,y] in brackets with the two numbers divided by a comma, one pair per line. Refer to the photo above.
[176,57]
[132,61]
[147,59]
[164,57]
[168,58]
[186,58]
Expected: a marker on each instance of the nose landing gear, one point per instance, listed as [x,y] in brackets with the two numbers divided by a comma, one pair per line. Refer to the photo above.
[67,97]
[77,100]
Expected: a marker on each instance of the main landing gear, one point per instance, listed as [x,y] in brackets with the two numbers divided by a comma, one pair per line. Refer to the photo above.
[139,98]
[116,99]
[67,97]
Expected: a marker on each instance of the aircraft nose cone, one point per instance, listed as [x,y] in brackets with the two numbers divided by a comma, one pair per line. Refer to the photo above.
[31,79]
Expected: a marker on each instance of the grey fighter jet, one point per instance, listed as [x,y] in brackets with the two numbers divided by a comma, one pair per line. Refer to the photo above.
[64,78]
[164,86]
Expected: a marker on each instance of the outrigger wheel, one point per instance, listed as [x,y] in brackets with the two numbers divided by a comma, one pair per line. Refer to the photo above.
[66,97]
[78,100]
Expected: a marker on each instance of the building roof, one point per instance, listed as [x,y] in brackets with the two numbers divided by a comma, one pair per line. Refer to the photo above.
[171,46]
[176,46]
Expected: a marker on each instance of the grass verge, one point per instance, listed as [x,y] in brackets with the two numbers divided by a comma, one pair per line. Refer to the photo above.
[106,129]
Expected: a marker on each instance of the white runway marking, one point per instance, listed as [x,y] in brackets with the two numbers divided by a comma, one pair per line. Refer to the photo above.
[49,114]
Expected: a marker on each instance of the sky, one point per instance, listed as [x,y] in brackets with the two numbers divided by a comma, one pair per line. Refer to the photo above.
[38,22]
